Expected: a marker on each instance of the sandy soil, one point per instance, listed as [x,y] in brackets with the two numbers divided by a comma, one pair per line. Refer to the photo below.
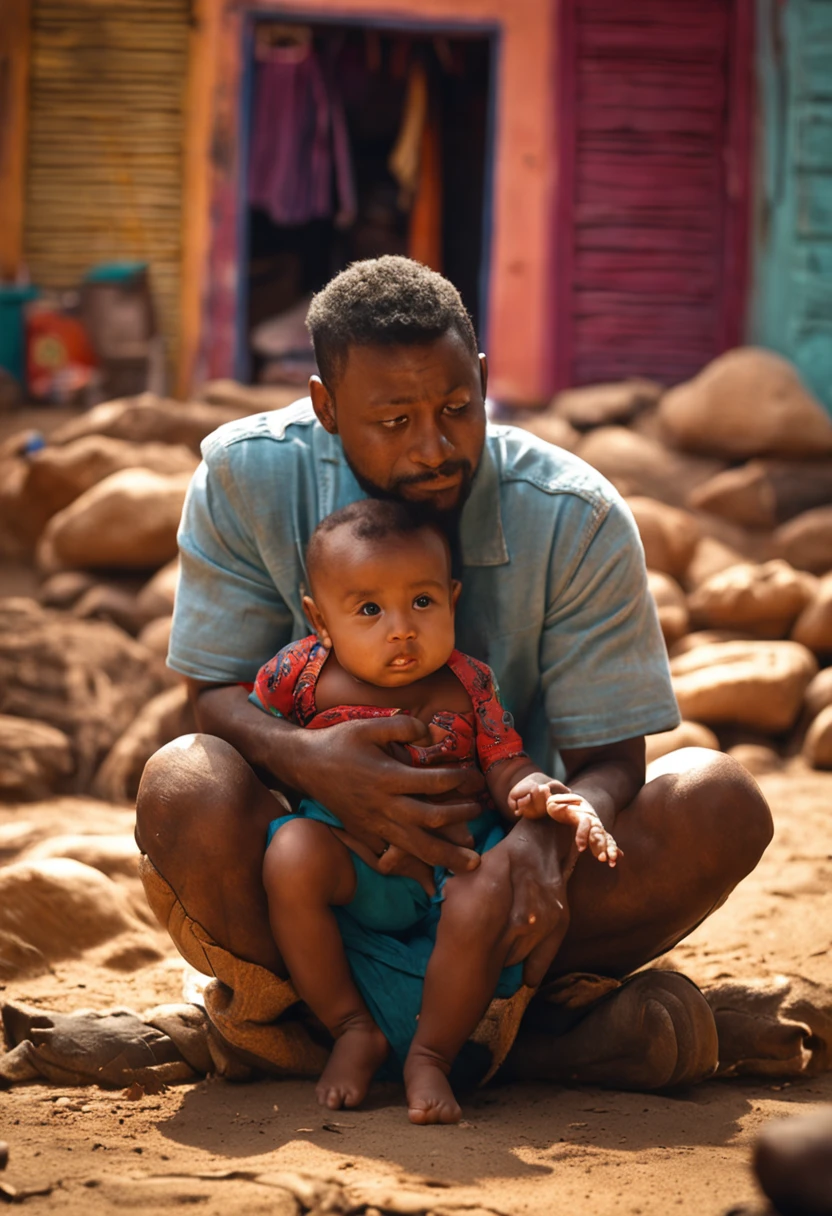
[521,1149]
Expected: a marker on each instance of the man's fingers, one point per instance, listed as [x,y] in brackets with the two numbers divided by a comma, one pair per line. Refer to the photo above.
[541,957]
[431,849]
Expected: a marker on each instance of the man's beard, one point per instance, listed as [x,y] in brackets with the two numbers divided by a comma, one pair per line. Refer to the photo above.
[448,520]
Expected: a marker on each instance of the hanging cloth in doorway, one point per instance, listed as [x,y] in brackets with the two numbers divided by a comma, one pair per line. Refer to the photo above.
[299,141]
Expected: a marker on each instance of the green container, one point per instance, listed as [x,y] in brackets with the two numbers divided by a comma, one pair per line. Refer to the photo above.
[13,301]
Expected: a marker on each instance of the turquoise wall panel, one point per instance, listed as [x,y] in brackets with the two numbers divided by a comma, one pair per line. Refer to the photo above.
[791,306]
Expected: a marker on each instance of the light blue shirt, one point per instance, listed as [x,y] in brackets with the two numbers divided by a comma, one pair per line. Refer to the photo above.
[554,594]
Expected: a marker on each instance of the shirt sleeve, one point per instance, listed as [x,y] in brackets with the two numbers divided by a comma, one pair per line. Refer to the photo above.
[228,616]
[274,688]
[604,668]
[496,737]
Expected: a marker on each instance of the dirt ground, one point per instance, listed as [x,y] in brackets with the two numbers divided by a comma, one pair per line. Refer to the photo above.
[521,1149]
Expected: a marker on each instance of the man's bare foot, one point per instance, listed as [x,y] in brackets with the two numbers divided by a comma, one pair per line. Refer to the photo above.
[430,1098]
[357,1054]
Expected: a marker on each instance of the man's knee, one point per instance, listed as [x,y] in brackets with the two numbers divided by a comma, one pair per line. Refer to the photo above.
[194,775]
[727,808]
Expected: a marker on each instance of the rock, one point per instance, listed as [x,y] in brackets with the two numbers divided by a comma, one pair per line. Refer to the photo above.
[710,557]
[150,419]
[115,856]
[760,600]
[754,684]
[155,637]
[819,694]
[817,746]
[107,603]
[18,531]
[806,541]
[157,596]
[55,909]
[705,637]
[670,604]
[757,759]
[127,521]
[249,398]
[27,824]
[164,718]
[669,536]
[58,474]
[33,758]
[638,465]
[605,404]
[813,628]
[65,588]
[748,402]
[793,1163]
[686,734]
[87,678]
[764,493]
[548,427]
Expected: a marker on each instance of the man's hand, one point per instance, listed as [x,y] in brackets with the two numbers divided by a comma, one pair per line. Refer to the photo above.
[530,860]
[380,800]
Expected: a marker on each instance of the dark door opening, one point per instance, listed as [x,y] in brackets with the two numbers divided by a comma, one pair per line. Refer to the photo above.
[361,141]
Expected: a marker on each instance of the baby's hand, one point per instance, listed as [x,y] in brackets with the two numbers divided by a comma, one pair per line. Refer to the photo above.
[538,795]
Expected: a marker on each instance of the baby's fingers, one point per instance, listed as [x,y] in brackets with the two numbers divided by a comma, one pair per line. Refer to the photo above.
[602,845]
[565,808]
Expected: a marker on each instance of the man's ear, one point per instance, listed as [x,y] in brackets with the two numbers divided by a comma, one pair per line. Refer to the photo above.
[323,404]
[456,591]
[483,375]
[313,616]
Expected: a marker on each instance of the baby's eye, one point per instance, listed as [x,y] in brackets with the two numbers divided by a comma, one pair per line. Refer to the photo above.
[422,601]
[369,609]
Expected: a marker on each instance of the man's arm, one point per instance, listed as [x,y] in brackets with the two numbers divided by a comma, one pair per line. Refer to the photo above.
[347,769]
[608,777]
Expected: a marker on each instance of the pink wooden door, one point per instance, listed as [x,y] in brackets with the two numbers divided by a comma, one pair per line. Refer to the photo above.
[653,170]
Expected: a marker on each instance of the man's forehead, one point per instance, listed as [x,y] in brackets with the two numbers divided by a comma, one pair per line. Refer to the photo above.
[410,371]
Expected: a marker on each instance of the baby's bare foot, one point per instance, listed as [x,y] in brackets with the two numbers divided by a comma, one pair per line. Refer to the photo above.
[357,1054]
[430,1098]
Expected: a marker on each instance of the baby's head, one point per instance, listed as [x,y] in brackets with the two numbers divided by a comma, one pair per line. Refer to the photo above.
[381,593]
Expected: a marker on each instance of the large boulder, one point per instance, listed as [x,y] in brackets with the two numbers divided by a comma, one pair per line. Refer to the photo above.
[639,465]
[686,734]
[164,718]
[151,419]
[34,758]
[547,426]
[819,694]
[806,540]
[754,684]
[813,628]
[87,678]
[57,908]
[817,746]
[128,521]
[762,600]
[705,637]
[671,605]
[746,403]
[58,474]
[158,594]
[249,398]
[710,557]
[669,536]
[764,493]
[605,404]
[156,636]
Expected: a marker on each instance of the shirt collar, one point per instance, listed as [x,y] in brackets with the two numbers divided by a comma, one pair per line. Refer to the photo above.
[481,528]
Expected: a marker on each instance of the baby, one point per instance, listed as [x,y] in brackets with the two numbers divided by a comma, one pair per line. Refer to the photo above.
[382,603]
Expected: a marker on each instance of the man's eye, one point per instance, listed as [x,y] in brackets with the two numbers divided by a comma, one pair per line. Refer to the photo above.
[392,424]
[422,601]
[460,408]
[369,610]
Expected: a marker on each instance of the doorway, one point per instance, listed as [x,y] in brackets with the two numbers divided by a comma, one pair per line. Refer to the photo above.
[653,217]
[362,140]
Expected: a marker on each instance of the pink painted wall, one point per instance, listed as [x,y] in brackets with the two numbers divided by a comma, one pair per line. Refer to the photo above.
[521,324]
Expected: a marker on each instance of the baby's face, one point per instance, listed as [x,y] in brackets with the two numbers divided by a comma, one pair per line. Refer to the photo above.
[386,607]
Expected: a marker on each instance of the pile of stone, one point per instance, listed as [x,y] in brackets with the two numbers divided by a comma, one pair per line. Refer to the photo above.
[729,477]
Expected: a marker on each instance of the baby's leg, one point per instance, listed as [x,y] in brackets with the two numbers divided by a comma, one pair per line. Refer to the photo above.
[462,974]
[306,871]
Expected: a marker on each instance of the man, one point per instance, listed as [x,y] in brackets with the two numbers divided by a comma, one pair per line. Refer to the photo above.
[555,600]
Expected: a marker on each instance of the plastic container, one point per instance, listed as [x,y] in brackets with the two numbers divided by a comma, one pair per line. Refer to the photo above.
[13,301]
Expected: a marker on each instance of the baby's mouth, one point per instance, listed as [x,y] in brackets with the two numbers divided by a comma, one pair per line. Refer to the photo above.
[403,661]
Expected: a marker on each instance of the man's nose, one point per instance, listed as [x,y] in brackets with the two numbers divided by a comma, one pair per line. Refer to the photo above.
[431,447]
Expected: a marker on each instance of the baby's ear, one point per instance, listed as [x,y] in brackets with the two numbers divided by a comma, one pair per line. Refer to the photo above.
[313,616]
[456,591]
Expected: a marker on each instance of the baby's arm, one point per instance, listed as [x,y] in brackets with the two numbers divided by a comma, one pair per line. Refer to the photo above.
[519,789]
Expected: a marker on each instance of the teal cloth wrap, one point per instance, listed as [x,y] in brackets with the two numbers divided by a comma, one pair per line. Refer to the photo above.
[389,931]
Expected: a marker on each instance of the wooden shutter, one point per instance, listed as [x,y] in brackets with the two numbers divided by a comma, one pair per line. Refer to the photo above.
[105,142]
[649,188]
